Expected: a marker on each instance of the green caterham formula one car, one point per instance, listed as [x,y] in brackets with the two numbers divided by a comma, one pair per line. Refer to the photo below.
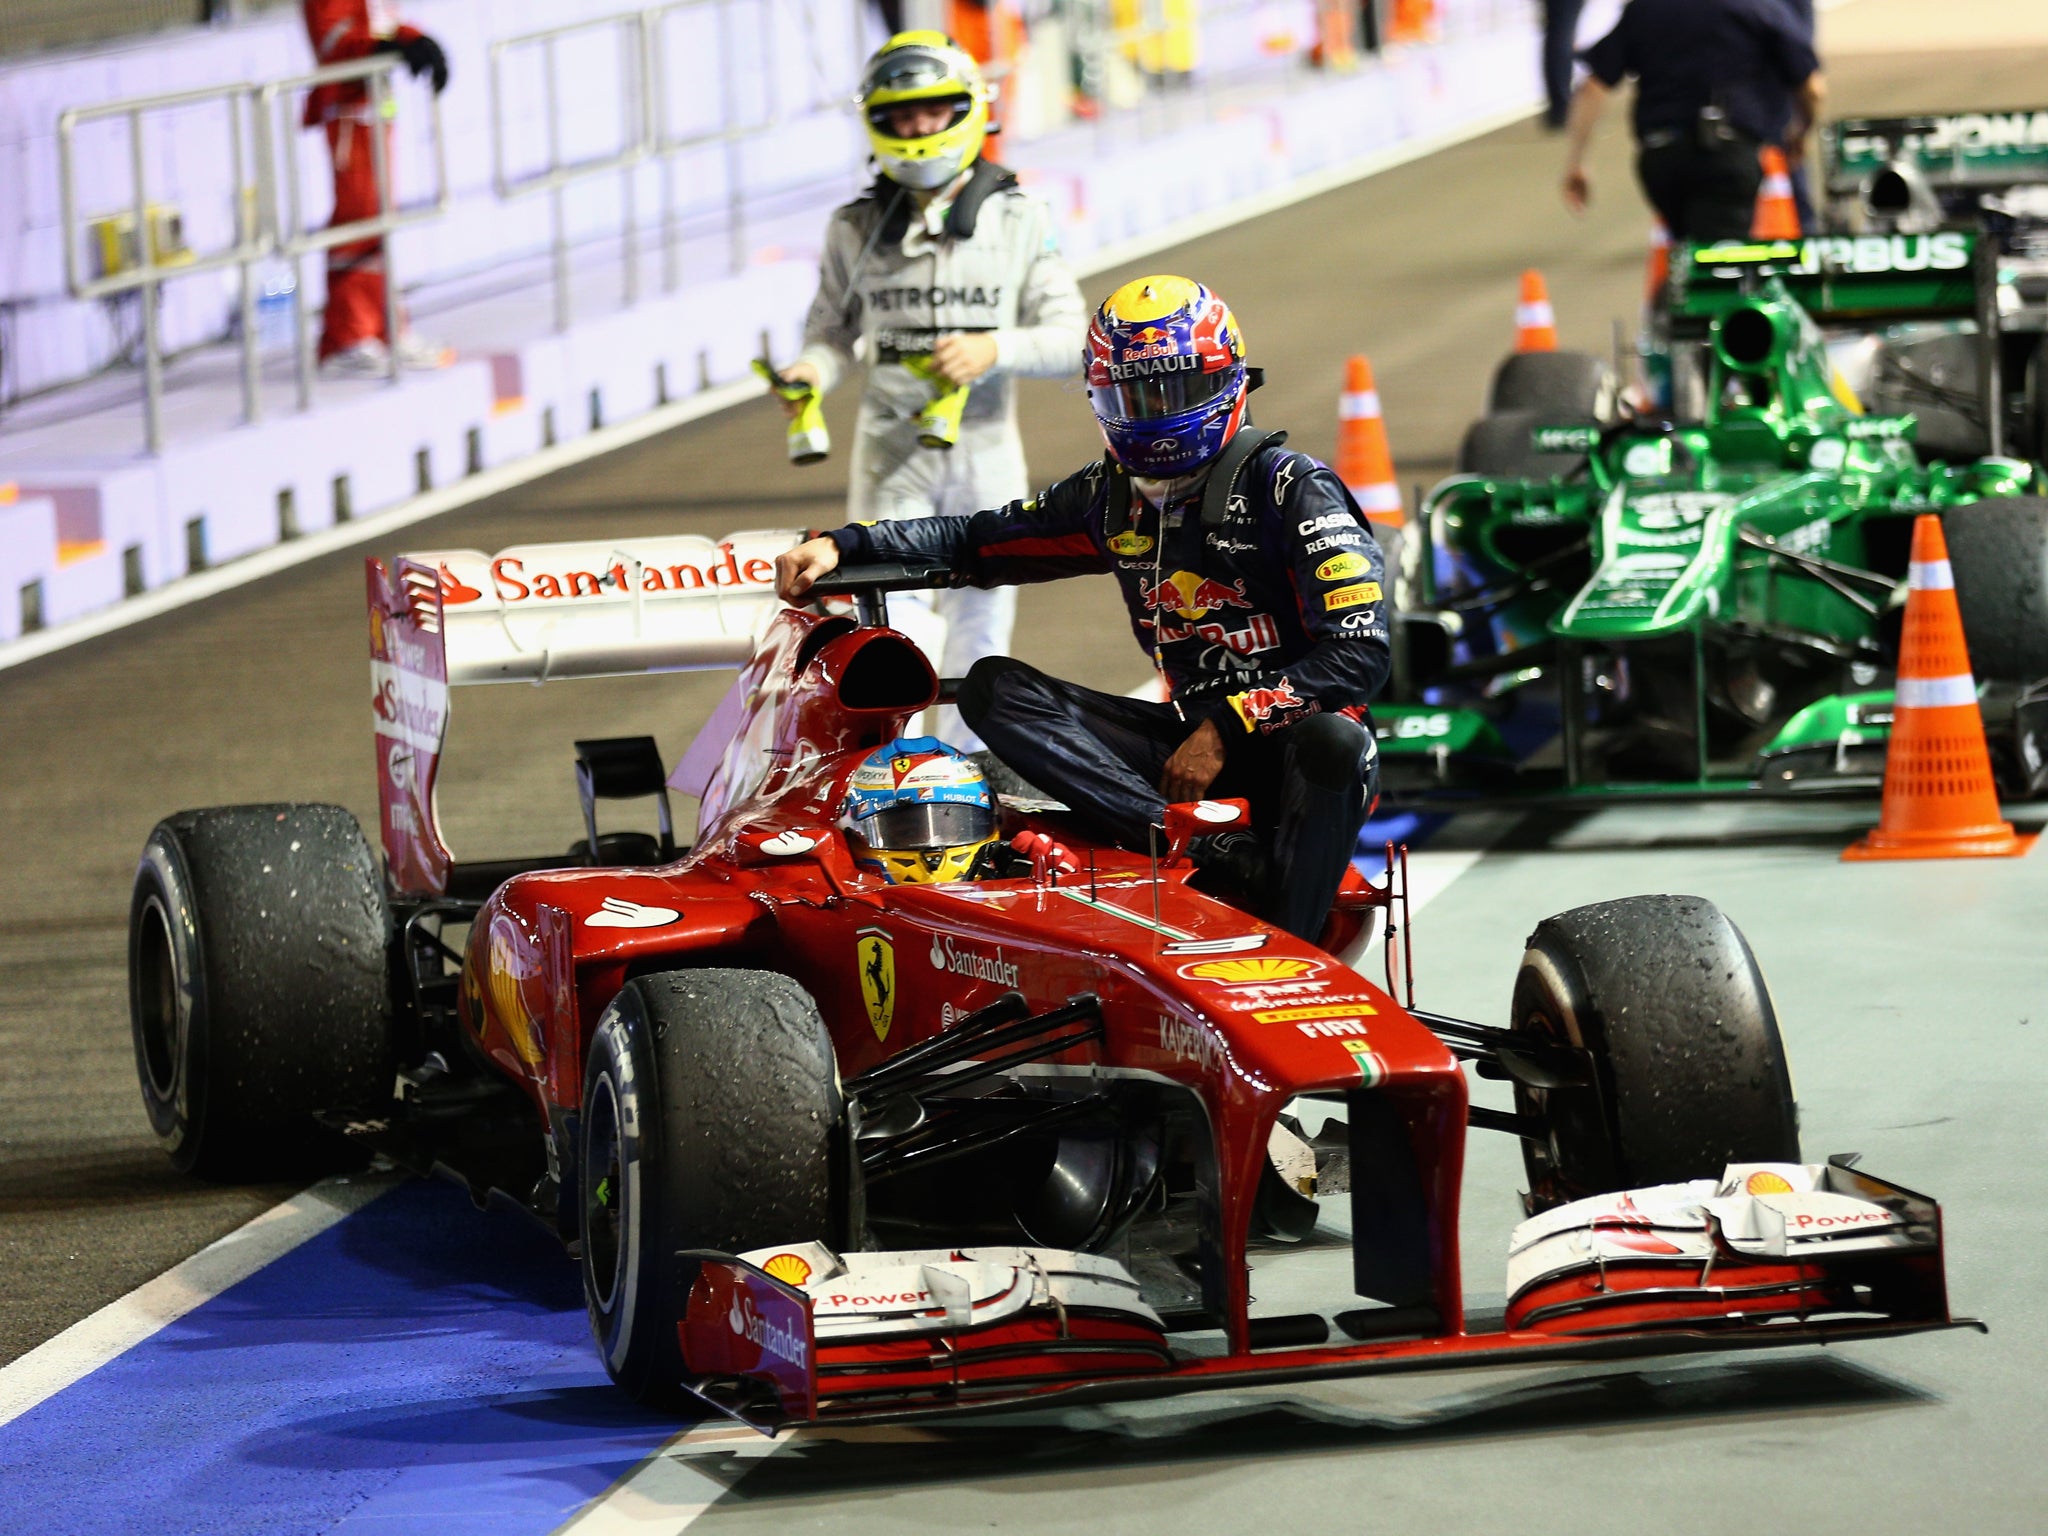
[1708,601]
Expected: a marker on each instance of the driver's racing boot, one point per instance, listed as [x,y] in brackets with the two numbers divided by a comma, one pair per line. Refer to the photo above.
[1232,865]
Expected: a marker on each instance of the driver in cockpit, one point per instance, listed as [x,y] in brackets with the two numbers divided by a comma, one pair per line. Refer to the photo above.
[918,813]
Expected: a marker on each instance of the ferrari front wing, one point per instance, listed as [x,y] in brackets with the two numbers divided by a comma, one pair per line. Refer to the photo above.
[1767,1255]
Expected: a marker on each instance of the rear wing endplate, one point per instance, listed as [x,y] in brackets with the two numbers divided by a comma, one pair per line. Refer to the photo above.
[534,613]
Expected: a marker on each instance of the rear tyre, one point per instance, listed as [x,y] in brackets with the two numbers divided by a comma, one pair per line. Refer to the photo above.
[1999,552]
[1664,995]
[257,985]
[1502,446]
[1559,386]
[710,1112]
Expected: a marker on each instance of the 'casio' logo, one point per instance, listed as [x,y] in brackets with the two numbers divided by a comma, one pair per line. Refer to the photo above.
[1327,520]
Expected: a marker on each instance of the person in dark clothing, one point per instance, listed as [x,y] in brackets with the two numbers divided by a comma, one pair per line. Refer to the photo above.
[1715,81]
[1250,577]
[1795,141]
[1560,31]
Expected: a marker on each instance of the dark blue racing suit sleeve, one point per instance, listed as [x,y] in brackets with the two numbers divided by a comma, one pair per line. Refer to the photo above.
[1336,571]
[1054,534]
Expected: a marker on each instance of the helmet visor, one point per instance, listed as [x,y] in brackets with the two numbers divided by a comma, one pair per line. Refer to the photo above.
[926,824]
[1158,396]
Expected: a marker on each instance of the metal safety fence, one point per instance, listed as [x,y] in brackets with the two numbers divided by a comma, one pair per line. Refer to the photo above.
[266,212]
[650,63]
[148,255]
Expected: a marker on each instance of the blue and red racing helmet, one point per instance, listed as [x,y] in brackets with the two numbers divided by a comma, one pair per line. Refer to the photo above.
[1166,375]
[918,812]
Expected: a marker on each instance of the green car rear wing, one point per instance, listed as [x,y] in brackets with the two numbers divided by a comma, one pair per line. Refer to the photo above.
[1963,149]
[1854,280]
[1839,278]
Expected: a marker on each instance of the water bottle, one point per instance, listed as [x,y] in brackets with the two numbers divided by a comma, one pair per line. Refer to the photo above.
[276,307]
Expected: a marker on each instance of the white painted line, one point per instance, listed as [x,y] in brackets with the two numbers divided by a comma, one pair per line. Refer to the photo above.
[666,1492]
[279,557]
[119,1326]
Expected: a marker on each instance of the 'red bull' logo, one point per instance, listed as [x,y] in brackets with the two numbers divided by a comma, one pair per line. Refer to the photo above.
[1191,595]
[1256,705]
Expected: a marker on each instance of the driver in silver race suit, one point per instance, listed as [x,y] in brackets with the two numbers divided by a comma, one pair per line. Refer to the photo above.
[945,273]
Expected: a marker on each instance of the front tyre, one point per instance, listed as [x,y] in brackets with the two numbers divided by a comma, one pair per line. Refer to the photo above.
[257,985]
[1998,549]
[710,1113]
[1665,998]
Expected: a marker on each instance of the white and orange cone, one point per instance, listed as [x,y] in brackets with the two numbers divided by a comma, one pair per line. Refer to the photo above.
[1365,461]
[1777,215]
[1657,268]
[1535,320]
[1939,798]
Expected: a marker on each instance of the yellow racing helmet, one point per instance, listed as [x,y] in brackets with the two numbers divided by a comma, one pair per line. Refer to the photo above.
[918,813]
[913,68]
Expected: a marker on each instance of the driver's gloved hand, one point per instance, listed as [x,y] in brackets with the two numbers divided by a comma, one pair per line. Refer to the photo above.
[422,55]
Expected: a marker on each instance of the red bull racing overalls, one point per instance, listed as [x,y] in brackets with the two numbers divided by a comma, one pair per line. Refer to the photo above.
[1259,597]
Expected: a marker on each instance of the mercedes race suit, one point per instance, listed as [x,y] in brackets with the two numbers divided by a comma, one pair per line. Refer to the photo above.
[888,288]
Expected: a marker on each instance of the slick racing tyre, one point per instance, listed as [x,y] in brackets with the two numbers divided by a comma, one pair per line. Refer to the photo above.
[1501,446]
[1998,550]
[1689,1075]
[1558,386]
[258,986]
[711,1110]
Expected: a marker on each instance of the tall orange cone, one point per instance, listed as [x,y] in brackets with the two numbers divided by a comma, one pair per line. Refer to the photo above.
[1364,461]
[1777,215]
[1939,800]
[1535,321]
[1658,267]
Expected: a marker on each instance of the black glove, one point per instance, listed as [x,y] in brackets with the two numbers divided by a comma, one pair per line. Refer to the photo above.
[422,55]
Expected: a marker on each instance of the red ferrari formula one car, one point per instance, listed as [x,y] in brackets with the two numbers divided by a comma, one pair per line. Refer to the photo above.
[829,1148]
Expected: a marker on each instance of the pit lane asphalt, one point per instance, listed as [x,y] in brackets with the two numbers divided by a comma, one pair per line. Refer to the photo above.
[1903,989]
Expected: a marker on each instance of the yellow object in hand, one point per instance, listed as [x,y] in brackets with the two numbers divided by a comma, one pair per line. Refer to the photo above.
[809,442]
[938,424]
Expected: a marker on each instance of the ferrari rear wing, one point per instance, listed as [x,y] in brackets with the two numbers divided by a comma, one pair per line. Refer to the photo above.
[536,613]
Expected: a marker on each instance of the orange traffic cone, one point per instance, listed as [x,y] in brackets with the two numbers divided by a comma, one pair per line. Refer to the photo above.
[1535,321]
[1364,461]
[1939,801]
[1658,267]
[1777,216]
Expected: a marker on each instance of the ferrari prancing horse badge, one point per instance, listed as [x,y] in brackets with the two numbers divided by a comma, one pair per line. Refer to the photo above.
[876,958]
